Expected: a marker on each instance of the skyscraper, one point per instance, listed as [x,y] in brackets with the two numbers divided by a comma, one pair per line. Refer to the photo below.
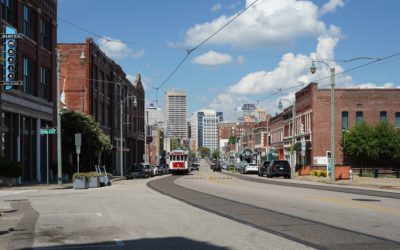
[205,128]
[175,113]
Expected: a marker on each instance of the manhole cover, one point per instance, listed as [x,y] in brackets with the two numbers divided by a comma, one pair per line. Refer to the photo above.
[360,199]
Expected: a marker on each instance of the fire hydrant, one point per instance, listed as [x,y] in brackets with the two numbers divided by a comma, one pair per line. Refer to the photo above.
[351,175]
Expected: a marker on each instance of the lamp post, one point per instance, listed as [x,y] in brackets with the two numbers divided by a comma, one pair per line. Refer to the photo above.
[121,165]
[332,124]
[292,162]
[60,58]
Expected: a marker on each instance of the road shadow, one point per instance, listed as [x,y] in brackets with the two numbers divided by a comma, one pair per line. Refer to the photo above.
[155,243]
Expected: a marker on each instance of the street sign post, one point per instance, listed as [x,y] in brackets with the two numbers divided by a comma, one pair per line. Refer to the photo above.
[48,131]
[78,143]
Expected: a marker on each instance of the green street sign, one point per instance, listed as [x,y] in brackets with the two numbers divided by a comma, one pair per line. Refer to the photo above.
[48,131]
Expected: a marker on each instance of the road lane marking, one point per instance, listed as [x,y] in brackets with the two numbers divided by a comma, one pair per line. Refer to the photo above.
[356,204]
[72,214]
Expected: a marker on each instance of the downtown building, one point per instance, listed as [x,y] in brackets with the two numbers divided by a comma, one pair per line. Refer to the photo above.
[204,129]
[27,108]
[312,121]
[98,88]
[175,115]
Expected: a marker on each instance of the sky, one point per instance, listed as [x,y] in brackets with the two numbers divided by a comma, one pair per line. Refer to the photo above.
[263,55]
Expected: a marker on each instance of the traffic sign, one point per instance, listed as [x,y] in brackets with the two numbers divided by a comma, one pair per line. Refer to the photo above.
[48,131]
[149,139]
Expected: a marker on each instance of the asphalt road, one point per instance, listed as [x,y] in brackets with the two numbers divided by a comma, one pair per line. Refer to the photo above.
[311,216]
[209,210]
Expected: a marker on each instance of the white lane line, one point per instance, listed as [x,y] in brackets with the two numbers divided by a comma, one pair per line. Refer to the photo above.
[4,193]
[73,214]
[119,242]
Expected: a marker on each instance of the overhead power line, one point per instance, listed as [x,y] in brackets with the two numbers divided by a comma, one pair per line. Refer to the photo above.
[189,51]
[94,34]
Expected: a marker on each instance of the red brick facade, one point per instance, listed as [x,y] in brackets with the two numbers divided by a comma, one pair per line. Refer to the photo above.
[97,88]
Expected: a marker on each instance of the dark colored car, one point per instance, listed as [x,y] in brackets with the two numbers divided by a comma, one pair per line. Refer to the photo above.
[263,168]
[278,168]
[136,171]
[217,167]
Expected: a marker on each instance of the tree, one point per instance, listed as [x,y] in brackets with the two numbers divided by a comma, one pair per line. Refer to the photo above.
[374,146]
[204,151]
[94,140]
[215,154]
[232,140]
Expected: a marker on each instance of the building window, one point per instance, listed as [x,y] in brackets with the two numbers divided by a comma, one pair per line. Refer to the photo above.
[45,83]
[397,120]
[345,120]
[45,35]
[7,10]
[28,22]
[383,116]
[28,72]
[359,117]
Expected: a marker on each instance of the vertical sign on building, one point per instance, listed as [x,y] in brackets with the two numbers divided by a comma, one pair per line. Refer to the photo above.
[10,53]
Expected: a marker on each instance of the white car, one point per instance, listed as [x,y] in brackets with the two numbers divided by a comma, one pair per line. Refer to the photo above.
[250,168]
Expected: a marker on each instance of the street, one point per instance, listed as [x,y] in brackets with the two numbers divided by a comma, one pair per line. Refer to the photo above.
[212,210]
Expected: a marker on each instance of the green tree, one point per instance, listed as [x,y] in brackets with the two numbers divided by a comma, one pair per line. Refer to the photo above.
[204,151]
[232,140]
[215,154]
[94,140]
[372,146]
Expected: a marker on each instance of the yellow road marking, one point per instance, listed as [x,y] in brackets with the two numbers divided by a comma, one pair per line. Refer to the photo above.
[356,204]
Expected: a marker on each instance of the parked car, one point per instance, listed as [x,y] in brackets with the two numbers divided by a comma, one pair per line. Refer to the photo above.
[241,165]
[148,169]
[136,171]
[162,170]
[278,168]
[263,168]
[195,166]
[217,167]
[250,168]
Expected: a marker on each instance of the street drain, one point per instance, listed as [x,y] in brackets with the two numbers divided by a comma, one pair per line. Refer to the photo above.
[360,199]
[16,200]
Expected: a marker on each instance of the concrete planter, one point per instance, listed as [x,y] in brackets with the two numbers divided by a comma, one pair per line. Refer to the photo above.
[80,183]
[7,181]
[94,182]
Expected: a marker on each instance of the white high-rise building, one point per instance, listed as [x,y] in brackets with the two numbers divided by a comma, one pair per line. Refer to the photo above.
[205,128]
[175,113]
[156,116]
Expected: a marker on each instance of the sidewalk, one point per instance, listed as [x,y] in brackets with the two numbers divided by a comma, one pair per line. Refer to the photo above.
[384,183]
[51,186]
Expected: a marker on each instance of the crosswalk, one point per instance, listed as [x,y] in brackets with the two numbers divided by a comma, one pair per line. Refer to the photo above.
[15,192]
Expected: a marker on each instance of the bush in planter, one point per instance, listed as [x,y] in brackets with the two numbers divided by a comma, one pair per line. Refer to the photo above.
[9,168]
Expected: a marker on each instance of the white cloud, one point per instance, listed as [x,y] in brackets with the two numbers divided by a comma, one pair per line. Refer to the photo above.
[234,5]
[212,58]
[331,6]
[116,49]
[241,59]
[216,7]
[138,54]
[267,23]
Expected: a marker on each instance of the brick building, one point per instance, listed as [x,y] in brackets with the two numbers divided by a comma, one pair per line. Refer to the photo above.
[97,88]
[27,108]
[312,121]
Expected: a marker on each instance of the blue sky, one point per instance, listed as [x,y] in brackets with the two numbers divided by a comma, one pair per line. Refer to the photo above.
[268,47]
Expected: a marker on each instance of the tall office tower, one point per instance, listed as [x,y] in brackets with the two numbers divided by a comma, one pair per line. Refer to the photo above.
[175,109]
[205,128]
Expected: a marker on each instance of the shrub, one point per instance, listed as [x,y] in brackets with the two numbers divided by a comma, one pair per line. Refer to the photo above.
[10,168]
[81,175]
[312,172]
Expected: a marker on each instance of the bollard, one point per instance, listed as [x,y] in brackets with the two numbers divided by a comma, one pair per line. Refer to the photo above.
[375,173]
[398,173]
[351,175]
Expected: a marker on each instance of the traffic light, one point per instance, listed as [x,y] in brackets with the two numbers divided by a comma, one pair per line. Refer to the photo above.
[10,55]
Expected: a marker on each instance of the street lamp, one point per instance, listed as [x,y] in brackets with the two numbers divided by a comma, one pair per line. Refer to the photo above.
[313,69]
[60,58]
[120,128]
[292,162]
